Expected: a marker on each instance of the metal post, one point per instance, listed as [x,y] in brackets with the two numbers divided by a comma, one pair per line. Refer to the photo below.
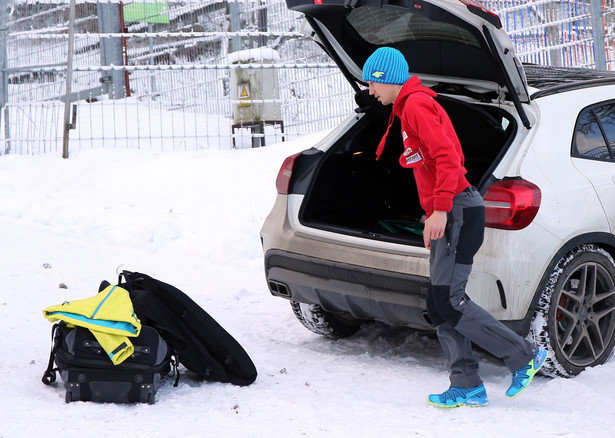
[152,77]
[598,34]
[235,25]
[69,77]
[553,35]
[258,140]
[262,25]
[4,76]
[109,21]
[124,48]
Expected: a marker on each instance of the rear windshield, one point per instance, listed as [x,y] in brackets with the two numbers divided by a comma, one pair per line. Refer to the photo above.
[384,26]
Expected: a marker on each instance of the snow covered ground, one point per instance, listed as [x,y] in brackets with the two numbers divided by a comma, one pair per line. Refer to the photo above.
[192,219]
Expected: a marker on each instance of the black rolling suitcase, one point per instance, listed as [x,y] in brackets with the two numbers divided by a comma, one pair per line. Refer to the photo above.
[89,374]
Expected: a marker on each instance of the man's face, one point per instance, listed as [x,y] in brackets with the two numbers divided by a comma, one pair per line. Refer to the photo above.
[385,93]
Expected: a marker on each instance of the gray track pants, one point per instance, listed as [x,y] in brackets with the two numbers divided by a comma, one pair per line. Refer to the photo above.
[458,320]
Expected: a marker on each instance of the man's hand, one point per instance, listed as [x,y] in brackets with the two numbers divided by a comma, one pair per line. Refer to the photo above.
[434,227]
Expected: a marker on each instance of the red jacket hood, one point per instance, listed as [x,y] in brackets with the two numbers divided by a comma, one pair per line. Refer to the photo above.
[412,85]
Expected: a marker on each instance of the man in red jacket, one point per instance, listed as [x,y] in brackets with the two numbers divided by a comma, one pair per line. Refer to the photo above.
[454,229]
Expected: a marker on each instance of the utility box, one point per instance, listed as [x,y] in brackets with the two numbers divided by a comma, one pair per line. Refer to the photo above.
[255,92]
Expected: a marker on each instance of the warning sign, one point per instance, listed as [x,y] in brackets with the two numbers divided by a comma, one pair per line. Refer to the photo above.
[244,94]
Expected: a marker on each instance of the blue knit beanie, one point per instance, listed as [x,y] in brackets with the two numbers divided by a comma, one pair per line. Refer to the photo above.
[386,65]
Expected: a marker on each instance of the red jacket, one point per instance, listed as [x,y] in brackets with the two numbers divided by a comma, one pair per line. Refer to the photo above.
[431,146]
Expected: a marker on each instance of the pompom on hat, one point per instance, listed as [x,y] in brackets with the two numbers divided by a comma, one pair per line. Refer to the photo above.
[387,66]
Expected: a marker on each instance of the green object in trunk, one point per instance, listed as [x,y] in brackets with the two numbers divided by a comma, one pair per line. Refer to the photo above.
[402,225]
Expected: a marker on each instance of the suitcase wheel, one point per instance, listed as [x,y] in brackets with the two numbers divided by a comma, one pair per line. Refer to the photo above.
[73,392]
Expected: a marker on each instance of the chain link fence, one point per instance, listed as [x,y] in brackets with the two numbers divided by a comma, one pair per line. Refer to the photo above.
[566,33]
[191,75]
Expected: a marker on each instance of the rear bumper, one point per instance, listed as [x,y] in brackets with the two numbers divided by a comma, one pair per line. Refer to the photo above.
[366,293]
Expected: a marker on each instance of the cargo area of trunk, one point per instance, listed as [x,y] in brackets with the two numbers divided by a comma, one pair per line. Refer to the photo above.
[352,193]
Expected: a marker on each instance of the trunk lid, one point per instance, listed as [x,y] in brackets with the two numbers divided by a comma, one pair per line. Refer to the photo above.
[454,46]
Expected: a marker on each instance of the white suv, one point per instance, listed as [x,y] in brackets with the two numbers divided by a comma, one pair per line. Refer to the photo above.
[343,241]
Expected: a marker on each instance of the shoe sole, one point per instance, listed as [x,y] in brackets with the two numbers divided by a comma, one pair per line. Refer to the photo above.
[458,405]
[531,378]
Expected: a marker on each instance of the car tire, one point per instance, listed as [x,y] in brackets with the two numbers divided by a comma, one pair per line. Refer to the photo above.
[575,319]
[329,324]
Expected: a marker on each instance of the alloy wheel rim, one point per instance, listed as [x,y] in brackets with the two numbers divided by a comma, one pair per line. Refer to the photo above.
[585,314]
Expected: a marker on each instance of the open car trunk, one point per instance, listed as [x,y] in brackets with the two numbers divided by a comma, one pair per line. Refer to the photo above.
[354,194]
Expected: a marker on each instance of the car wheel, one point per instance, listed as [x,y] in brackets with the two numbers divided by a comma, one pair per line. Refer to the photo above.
[575,319]
[329,324]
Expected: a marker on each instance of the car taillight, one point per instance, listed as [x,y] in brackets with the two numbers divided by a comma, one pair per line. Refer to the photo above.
[511,204]
[285,173]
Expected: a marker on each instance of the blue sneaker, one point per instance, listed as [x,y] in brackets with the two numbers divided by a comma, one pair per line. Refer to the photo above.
[453,397]
[523,376]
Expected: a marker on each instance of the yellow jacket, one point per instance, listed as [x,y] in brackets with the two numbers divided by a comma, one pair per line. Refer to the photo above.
[109,316]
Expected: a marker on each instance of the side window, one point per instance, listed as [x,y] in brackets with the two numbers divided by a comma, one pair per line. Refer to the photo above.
[595,133]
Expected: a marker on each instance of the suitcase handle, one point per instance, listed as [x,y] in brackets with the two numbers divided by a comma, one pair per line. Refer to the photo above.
[49,376]
[138,349]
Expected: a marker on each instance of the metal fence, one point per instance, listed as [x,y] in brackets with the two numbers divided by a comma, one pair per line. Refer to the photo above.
[190,75]
[560,33]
